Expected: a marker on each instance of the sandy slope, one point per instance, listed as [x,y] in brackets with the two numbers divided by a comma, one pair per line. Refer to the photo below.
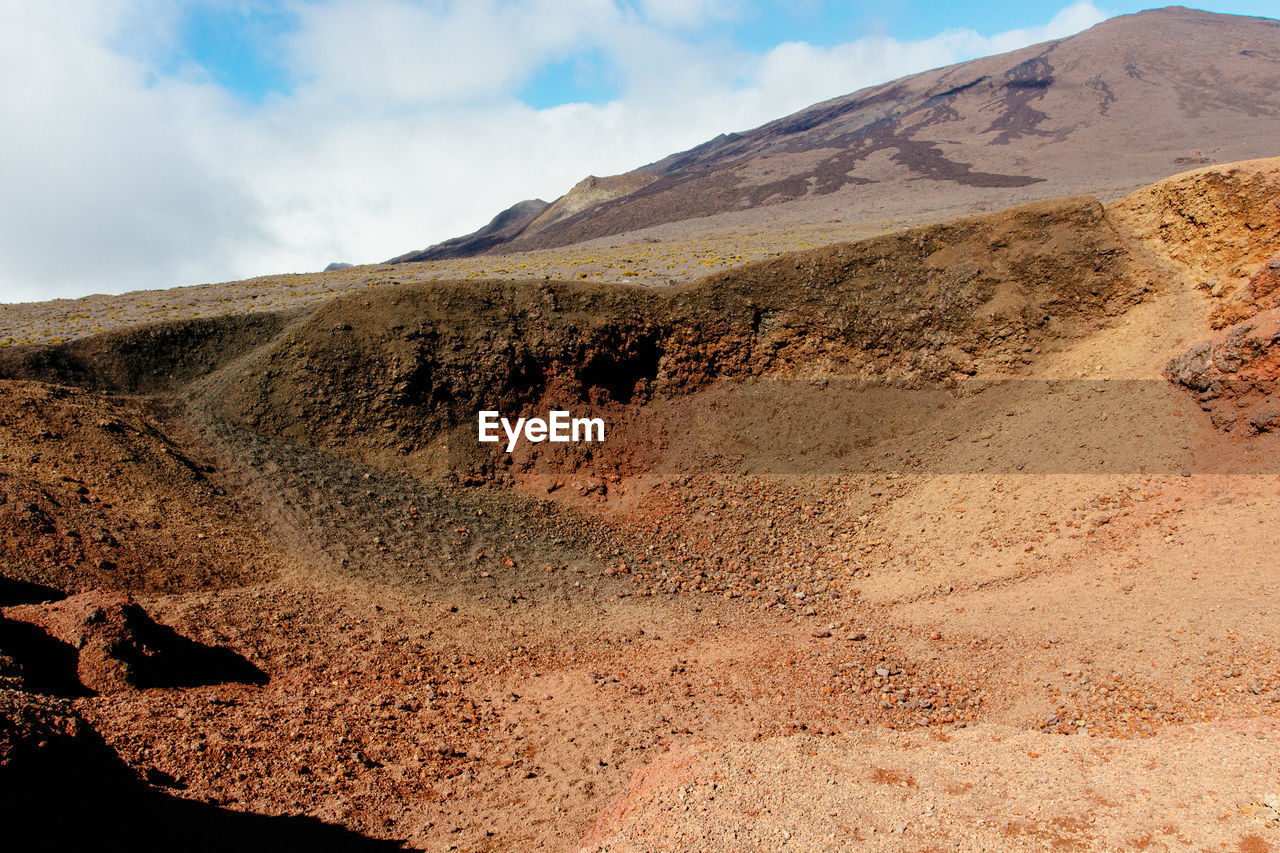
[1204,787]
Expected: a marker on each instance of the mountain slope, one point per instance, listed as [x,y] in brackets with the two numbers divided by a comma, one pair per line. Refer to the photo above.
[503,227]
[587,193]
[1129,101]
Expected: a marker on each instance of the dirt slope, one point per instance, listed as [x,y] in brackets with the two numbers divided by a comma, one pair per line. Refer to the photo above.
[589,192]
[110,492]
[924,306]
[919,542]
[992,788]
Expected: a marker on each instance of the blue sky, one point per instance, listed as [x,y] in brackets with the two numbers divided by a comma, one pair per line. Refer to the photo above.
[237,44]
[154,143]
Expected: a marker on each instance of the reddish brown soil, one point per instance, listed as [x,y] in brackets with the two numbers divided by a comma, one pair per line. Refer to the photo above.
[119,647]
[1006,588]
[109,491]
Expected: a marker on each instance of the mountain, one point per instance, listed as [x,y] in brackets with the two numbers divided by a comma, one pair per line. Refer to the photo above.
[502,228]
[1127,102]
[587,193]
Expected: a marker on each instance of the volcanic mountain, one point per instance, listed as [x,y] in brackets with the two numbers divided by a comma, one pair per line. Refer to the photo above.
[1130,101]
[956,536]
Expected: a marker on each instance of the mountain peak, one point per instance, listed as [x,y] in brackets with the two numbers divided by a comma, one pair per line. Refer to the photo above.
[1124,103]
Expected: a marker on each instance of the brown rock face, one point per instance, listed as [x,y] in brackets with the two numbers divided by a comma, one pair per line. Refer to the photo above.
[918,305]
[1236,375]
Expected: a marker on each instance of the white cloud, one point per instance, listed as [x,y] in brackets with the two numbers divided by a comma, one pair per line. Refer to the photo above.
[1076,17]
[398,52]
[795,74]
[690,13]
[404,130]
[110,182]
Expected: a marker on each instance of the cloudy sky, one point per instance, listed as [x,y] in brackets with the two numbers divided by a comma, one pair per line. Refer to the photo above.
[154,143]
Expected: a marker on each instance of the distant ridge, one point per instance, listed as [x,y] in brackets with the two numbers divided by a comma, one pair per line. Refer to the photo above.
[587,193]
[500,229]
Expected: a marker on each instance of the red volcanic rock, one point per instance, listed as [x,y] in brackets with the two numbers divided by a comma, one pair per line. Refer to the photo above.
[122,648]
[1236,374]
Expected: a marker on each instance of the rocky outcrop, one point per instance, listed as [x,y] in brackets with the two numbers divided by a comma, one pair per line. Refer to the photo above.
[1236,374]
[120,647]
[588,193]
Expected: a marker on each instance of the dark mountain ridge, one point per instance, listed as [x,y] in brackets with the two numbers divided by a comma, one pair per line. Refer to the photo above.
[505,226]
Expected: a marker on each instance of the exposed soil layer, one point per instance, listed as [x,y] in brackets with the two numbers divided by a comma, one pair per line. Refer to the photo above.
[1236,375]
[111,491]
[923,306]
[904,543]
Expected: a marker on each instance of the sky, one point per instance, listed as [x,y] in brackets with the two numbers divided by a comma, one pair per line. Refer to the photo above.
[158,143]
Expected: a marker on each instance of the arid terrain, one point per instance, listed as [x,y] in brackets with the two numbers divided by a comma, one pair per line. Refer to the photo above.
[957,537]
[938,506]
